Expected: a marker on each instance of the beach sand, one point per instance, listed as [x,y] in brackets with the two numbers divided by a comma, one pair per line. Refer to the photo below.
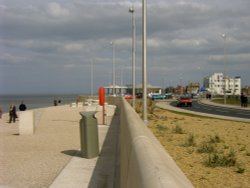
[35,160]
[182,135]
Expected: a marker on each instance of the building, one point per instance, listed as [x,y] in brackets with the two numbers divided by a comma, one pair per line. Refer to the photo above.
[115,90]
[217,83]
[193,87]
[180,90]
[139,89]
[121,90]
[246,90]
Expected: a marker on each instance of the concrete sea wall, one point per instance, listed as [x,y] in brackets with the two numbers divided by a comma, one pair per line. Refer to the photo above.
[143,160]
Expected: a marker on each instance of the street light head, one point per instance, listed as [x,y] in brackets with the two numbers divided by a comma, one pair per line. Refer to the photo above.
[223,35]
[131,9]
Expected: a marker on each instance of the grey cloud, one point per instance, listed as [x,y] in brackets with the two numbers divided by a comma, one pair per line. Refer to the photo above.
[64,37]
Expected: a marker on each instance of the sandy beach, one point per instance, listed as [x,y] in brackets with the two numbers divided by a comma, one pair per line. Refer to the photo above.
[43,155]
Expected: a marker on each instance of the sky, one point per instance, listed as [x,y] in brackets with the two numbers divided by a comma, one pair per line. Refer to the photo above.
[48,46]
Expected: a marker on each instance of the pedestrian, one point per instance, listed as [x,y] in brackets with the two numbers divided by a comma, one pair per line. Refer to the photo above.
[242,100]
[12,113]
[55,102]
[22,106]
[1,112]
[245,100]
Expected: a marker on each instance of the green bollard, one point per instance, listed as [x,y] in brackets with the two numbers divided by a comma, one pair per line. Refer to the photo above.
[89,135]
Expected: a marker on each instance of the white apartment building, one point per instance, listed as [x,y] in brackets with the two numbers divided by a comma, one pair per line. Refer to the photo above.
[216,83]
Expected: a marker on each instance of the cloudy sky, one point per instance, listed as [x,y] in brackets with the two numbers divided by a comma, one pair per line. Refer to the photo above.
[48,46]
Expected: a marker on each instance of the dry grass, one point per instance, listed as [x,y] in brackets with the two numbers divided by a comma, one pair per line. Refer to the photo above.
[211,152]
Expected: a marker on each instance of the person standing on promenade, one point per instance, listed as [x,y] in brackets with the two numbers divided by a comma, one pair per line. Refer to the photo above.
[12,113]
[22,106]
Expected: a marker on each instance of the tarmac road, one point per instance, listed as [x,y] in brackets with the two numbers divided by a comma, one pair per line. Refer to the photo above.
[216,110]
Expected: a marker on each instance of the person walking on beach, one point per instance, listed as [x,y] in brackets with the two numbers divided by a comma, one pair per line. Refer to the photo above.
[12,113]
[22,106]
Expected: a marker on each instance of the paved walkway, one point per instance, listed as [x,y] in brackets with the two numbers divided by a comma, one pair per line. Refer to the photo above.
[50,157]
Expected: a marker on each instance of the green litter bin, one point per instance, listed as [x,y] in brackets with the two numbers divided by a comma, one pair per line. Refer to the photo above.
[89,135]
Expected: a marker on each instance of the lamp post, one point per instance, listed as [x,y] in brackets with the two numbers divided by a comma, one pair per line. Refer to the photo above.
[223,35]
[92,78]
[144,59]
[113,60]
[132,10]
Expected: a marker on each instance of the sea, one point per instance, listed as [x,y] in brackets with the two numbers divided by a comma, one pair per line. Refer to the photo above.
[35,101]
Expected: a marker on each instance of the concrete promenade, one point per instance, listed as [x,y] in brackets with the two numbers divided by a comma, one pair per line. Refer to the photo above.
[51,156]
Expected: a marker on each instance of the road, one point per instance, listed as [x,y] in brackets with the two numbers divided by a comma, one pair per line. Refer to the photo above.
[222,111]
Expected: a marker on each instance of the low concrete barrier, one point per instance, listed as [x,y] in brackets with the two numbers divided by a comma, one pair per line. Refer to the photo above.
[144,163]
[26,122]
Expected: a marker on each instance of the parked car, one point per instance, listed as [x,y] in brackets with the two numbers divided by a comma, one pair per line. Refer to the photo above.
[158,97]
[139,95]
[128,96]
[184,101]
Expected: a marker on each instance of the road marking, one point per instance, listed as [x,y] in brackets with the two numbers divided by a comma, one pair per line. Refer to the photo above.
[243,114]
[221,111]
[207,109]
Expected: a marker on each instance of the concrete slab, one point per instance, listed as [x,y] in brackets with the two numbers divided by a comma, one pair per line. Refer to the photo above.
[26,122]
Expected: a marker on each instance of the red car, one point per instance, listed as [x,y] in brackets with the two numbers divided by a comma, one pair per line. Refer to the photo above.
[184,101]
[128,96]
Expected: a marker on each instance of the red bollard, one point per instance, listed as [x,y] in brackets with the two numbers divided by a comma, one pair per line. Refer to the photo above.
[101,102]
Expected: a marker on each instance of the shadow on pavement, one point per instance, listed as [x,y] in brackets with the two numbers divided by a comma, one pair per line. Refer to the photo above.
[73,153]
[106,172]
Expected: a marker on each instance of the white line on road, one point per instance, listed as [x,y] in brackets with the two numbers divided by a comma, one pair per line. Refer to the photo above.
[207,108]
[221,110]
[196,107]
[243,114]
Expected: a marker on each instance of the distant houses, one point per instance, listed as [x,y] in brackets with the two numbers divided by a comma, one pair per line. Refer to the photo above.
[217,83]
[121,90]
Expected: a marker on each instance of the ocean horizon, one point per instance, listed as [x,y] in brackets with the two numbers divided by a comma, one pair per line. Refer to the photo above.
[33,101]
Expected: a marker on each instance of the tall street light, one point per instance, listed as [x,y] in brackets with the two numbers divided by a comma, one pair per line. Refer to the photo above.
[92,77]
[224,37]
[113,60]
[132,10]
[144,59]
